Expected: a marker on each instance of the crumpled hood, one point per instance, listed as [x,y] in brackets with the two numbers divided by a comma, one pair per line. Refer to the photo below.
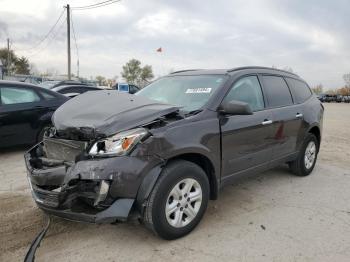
[105,113]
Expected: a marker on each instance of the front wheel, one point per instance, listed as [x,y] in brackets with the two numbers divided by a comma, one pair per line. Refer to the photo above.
[306,160]
[178,200]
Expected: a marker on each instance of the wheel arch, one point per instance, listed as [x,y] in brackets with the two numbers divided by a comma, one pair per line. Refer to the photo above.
[316,131]
[206,164]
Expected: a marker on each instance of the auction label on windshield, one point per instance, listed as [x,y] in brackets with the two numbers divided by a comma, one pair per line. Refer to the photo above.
[198,90]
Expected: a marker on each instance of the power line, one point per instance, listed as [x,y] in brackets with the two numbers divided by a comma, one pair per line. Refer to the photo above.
[101,4]
[49,42]
[46,36]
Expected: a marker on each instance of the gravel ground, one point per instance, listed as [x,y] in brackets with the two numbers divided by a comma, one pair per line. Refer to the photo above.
[272,217]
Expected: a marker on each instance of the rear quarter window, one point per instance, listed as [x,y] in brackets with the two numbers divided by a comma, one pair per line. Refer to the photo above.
[277,91]
[18,95]
[299,89]
[47,95]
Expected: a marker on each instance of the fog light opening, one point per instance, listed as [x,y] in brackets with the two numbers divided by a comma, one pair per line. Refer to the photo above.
[102,192]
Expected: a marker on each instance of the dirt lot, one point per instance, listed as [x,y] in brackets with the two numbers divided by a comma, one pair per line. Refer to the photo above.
[272,217]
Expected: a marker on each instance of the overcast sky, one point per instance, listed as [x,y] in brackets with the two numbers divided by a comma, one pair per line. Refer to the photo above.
[312,37]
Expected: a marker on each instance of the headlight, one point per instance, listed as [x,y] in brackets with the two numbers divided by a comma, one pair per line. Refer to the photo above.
[119,144]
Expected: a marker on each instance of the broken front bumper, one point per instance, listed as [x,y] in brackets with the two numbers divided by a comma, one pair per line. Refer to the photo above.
[73,191]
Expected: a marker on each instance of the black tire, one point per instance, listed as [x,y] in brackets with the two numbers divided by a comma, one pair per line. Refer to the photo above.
[298,166]
[154,215]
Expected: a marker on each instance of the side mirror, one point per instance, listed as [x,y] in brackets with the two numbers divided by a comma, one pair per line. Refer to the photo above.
[235,108]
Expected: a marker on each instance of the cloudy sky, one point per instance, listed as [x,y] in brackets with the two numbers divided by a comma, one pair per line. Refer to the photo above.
[311,37]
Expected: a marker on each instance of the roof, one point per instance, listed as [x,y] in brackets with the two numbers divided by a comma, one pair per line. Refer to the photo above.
[232,70]
[13,82]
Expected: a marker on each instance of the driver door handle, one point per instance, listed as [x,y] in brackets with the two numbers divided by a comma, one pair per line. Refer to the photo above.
[298,115]
[266,122]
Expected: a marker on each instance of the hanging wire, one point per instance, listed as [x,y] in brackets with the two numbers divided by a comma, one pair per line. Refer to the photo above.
[46,36]
[75,42]
[49,41]
[92,6]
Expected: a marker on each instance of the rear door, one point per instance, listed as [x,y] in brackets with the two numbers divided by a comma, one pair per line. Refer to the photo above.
[245,138]
[19,111]
[301,94]
[287,117]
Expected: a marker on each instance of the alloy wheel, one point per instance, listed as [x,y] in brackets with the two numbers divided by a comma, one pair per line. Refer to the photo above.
[183,202]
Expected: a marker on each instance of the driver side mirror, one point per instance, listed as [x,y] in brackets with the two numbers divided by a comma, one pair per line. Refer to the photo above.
[234,107]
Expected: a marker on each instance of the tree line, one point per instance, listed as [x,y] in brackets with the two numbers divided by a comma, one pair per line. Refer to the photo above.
[132,71]
[344,90]
[13,64]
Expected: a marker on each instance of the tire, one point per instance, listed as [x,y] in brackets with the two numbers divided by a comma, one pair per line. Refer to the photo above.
[162,197]
[301,166]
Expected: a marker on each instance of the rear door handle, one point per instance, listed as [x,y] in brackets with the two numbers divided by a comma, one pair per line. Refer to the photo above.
[266,122]
[298,115]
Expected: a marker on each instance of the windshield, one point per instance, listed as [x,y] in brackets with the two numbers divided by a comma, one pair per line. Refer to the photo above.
[189,92]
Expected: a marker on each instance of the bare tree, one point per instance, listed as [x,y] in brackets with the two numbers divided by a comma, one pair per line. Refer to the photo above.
[318,89]
[346,78]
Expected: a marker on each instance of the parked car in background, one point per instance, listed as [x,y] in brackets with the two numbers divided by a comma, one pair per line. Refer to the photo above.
[55,83]
[128,88]
[346,99]
[25,112]
[338,98]
[329,98]
[321,97]
[74,90]
[167,150]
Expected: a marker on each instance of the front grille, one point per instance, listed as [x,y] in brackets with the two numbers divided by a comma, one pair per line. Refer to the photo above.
[63,149]
[48,198]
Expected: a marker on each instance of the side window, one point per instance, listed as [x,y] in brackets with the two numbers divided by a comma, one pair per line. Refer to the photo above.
[16,95]
[299,89]
[47,96]
[277,91]
[247,90]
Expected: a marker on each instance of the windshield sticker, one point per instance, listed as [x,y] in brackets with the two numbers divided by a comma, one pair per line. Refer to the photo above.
[198,90]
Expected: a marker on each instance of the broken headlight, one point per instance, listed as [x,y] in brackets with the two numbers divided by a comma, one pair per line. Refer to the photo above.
[119,144]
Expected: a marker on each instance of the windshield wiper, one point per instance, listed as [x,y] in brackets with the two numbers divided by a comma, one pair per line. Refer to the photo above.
[193,112]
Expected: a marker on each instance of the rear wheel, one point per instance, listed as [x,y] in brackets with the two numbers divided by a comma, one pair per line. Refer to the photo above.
[178,200]
[306,160]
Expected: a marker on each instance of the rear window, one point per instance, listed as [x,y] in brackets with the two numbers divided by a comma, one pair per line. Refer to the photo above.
[277,91]
[299,89]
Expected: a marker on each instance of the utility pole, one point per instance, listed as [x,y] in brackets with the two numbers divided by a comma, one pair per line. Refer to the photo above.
[8,57]
[78,68]
[68,42]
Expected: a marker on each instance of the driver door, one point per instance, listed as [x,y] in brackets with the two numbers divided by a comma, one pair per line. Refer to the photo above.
[246,139]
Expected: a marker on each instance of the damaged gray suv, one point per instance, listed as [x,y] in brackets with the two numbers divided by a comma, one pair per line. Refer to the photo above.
[163,153]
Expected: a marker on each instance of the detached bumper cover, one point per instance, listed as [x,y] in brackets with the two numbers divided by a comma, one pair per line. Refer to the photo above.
[118,211]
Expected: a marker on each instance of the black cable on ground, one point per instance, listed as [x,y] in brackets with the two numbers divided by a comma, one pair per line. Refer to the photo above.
[30,256]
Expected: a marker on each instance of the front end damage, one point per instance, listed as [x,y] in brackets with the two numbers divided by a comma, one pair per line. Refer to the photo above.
[96,164]
[67,182]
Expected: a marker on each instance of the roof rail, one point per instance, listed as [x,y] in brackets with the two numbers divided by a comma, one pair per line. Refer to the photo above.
[181,71]
[259,67]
